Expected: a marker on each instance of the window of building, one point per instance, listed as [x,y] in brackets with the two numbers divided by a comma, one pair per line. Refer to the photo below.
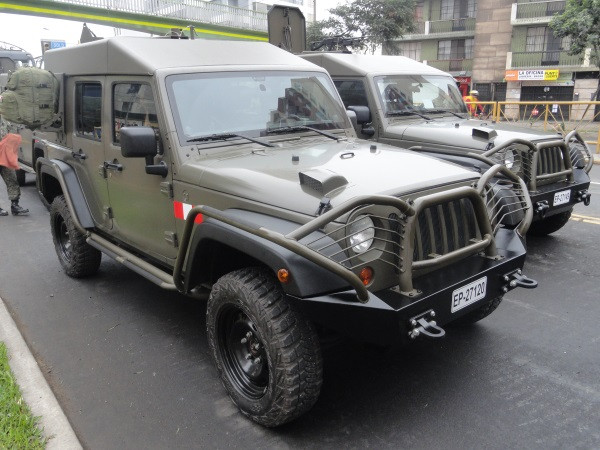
[457,9]
[411,50]
[88,110]
[542,39]
[444,49]
[536,39]
[455,49]
[133,106]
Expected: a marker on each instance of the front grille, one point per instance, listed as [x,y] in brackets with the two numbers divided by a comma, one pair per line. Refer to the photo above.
[444,228]
[550,160]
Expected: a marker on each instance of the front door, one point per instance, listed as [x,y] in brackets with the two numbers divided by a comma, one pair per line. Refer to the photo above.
[141,204]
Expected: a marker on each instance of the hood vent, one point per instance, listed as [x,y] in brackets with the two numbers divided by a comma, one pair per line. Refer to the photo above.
[321,180]
[484,133]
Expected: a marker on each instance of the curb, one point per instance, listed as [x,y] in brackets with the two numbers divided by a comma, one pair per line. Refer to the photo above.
[35,388]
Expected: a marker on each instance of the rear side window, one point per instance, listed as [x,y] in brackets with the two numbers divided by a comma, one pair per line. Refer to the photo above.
[352,92]
[88,110]
[133,106]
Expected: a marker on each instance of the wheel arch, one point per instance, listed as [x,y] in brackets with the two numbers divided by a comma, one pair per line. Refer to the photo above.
[217,249]
[54,178]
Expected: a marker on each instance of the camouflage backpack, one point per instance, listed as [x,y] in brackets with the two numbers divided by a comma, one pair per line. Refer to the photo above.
[31,97]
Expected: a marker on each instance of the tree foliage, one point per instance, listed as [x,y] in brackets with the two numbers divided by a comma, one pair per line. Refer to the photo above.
[374,21]
[580,22]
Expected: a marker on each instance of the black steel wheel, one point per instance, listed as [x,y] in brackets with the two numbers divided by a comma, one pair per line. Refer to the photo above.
[480,313]
[77,257]
[267,354]
[549,224]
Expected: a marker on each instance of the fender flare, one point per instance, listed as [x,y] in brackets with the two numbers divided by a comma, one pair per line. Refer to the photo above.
[307,278]
[66,177]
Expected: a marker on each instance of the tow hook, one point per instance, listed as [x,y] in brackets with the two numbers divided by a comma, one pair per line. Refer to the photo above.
[516,279]
[424,325]
[541,207]
[584,196]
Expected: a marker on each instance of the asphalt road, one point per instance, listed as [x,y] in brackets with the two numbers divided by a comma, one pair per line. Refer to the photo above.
[131,367]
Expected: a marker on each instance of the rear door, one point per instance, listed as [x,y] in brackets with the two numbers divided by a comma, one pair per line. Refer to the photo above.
[86,152]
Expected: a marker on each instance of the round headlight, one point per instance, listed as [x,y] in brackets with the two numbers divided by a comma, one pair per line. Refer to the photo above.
[361,232]
[509,158]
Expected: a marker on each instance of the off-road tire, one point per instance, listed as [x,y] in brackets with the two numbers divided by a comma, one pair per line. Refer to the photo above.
[549,224]
[20,177]
[478,314]
[78,258]
[291,366]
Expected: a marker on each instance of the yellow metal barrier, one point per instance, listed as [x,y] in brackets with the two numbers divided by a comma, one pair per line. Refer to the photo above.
[561,117]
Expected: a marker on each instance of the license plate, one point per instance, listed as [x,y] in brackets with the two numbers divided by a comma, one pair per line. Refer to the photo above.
[469,294]
[562,197]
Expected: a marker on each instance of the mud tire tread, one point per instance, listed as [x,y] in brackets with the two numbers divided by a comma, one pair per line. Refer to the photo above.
[294,354]
[84,259]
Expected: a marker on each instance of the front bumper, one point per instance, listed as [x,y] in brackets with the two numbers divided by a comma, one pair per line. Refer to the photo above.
[543,198]
[386,317]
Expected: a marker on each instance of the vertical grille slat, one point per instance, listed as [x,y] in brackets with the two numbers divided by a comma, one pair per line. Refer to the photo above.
[444,228]
[550,161]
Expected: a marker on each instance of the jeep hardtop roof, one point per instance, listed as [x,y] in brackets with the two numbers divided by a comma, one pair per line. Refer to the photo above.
[350,64]
[128,55]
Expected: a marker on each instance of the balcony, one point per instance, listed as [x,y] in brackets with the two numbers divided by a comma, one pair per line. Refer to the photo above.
[441,29]
[450,26]
[521,60]
[451,65]
[535,13]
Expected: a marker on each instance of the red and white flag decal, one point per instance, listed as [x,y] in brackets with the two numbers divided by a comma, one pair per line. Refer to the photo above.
[183,209]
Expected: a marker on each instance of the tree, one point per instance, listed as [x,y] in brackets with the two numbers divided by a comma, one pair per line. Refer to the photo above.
[580,23]
[374,21]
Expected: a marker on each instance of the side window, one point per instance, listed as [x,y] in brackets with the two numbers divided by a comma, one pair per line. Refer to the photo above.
[88,110]
[133,106]
[352,92]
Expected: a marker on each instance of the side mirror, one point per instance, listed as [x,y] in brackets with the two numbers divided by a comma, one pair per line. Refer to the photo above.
[363,114]
[138,142]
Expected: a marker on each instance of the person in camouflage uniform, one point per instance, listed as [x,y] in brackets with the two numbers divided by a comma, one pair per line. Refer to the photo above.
[12,186]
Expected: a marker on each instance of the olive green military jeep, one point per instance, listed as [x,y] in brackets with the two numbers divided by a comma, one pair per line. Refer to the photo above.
[402,102]
[232,169]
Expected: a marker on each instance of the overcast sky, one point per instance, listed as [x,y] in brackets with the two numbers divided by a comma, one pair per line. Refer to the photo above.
[27,31]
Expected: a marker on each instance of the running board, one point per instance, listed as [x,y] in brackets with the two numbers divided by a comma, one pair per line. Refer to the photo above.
[138,265]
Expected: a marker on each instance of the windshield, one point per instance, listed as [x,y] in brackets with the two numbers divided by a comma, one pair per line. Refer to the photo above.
[252,103]
[421,93]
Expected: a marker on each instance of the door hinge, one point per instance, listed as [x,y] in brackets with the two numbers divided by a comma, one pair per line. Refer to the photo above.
[166,188]
[171,238]
[102,171]
[108,212]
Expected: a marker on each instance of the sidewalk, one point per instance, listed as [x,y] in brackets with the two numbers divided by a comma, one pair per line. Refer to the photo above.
[35,389]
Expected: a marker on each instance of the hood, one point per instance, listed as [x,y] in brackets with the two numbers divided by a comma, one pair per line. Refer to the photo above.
[465,133]
[297,178]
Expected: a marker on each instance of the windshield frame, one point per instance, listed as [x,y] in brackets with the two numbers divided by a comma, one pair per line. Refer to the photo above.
[339,118]
[409,105]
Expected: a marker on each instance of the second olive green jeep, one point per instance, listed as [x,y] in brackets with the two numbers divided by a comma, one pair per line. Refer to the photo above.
[402,102]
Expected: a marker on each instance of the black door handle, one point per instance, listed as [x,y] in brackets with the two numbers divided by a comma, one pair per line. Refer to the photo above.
[113,165]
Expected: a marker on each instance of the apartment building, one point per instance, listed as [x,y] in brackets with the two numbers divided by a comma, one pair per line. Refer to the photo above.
[502,48]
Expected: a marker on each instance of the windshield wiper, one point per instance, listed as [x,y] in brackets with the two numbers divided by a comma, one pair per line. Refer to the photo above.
[445,111]
[225,136]
[409,112]
[295,128]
